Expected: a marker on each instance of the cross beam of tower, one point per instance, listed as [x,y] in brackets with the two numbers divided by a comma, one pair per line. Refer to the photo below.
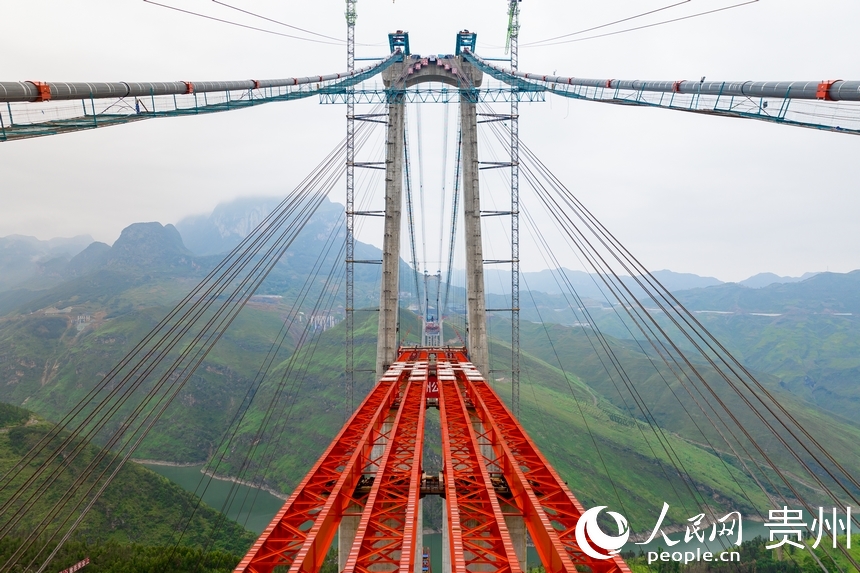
[372,473]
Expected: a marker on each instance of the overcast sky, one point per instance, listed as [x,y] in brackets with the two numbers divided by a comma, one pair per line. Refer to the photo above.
[713,196]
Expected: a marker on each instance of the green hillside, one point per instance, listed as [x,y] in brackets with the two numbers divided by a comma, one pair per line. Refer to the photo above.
[804,336]
[672,406]
[58,342]
[565,423]
[48,365]
[138,507]
[565,420]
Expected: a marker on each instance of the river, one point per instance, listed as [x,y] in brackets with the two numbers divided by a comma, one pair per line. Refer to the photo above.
[259,506]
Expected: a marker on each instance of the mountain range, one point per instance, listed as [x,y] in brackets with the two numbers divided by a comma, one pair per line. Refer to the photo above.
[23,258]
[587,285]
[27,261]
[67,323]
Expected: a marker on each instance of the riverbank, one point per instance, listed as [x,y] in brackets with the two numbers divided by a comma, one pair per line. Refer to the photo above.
[213,475]
[166,464]
[268,490]
[246,504]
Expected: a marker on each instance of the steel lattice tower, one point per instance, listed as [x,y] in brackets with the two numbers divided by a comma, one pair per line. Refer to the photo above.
[513,34]
[351,16]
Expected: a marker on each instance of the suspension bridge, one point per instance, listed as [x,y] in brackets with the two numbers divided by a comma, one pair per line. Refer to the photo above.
[364,496]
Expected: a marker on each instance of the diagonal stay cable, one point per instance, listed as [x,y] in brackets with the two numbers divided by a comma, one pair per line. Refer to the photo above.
[147,422]
[201,354]
[696,330]
[201,294]
[80,445]
[161,354]
[224,448]
[659,434]
[307,357]
[215,339]
[574,205]
[297,372]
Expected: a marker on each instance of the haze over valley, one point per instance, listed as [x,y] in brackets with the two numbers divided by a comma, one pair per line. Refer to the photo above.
[72,308]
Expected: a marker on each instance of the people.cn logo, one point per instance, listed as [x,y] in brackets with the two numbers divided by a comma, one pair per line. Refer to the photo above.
[591,538]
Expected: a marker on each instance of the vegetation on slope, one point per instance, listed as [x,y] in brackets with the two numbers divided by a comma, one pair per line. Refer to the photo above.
[674,409]
[571,406]
[138,507]
[566,426]
[114,557]
[48,365]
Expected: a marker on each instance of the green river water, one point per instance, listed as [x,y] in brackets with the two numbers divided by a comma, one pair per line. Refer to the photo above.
[251,507]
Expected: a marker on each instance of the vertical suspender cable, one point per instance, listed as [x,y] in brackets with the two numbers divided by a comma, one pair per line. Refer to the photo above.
[410,212]
[444,181]
[455,204]
[421,191]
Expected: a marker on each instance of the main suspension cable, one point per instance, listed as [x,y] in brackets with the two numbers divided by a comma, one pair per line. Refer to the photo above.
[606,25]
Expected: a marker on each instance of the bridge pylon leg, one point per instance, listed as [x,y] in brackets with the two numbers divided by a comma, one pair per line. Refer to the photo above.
[386,348]
[476,306]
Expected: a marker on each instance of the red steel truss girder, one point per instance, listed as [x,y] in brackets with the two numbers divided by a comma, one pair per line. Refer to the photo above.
[298,538]
[479,539]
[299,535]
[385,539]
[550,509]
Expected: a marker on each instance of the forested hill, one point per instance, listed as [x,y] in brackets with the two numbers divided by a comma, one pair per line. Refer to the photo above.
[807,334]
[138,507]
[62,330]
[825,293]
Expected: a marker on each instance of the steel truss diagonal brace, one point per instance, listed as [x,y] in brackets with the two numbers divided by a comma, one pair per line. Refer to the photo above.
[385,539]
[300,534]
[550,509]
[478,538]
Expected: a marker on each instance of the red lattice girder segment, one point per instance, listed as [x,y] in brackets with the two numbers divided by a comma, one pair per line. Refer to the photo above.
[385,538]
[301,532]
[550,508]
[479,540]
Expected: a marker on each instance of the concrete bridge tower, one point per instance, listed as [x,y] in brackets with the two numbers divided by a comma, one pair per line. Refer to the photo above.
[457,72]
